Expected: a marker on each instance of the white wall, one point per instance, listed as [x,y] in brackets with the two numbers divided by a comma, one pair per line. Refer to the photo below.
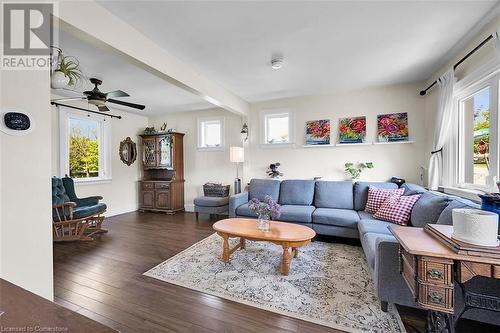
[121,193]
[401,160]
[203,166]
[25,164]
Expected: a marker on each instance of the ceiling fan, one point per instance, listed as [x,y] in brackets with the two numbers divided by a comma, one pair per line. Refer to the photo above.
[99,99]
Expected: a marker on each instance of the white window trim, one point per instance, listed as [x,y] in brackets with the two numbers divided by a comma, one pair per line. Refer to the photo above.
[222,134]
[104,153]
[263,128]
[486,75]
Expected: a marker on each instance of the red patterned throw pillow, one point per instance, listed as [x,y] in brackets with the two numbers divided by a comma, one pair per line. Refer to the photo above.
[397,209]
[377,196]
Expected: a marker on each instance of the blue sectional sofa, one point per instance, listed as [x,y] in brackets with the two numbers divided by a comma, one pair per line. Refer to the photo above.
[336,208]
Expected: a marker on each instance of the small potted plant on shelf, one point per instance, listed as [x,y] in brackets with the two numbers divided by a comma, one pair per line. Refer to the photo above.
[354,169]
[266,210]
[67,71]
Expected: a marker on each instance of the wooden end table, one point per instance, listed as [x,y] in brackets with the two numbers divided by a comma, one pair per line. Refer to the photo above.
[288,235]
[431,270]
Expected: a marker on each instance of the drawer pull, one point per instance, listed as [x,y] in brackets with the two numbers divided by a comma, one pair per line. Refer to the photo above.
[435,298]
[435,274]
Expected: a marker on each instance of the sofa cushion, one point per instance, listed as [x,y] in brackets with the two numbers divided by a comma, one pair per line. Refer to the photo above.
[411,189]
[370,242]
[339,217]
[374,226]
[86,211]
[428,209]
[333,194]
[244,210]
[260,188]
[397,209]
[297,192]
[296,213]
[211,201]
[377,196]
[361,192]
[446,214]
[365,216]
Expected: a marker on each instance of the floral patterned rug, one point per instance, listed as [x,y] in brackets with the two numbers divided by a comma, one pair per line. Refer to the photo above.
[329,284]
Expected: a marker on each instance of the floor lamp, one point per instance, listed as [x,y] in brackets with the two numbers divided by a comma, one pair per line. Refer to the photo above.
[237,155]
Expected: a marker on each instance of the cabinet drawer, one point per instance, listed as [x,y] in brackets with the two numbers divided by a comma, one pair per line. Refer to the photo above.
[163,186]
[436,297]
[408,270]
[147,186]
[436,271]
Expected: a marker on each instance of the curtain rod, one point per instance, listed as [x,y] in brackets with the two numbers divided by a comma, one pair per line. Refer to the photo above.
[86,110]
[490,37]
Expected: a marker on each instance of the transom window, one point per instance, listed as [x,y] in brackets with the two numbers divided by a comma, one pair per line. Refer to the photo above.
[276,127]
[211,133]
[84,140]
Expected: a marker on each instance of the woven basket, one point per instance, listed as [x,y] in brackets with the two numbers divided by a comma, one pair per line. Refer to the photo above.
[216,190]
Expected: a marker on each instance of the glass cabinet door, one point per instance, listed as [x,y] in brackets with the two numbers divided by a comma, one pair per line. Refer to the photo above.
[149,152]
[165,151]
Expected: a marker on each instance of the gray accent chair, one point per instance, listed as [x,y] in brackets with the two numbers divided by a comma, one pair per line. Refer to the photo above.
[336,208]
[211,205]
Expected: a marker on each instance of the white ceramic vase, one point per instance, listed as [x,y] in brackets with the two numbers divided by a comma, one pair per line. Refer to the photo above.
[59,80]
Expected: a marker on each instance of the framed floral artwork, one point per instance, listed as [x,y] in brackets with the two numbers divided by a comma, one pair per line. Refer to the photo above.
[318,132]
[352,130]
[392,127]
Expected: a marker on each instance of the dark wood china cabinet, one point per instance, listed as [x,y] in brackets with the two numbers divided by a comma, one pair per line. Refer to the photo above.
[162,186]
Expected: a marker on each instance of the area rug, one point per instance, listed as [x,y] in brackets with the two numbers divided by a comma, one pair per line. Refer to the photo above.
[329,284]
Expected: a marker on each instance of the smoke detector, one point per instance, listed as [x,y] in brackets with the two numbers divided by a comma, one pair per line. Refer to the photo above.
[276,63]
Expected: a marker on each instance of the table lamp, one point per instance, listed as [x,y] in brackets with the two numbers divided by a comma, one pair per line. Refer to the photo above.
[237,155]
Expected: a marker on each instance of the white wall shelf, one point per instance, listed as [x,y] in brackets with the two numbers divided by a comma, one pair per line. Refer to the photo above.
[318,146]
[392,143]
[353,144]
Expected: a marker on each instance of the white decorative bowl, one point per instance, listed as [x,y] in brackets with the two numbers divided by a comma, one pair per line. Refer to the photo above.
[474,226]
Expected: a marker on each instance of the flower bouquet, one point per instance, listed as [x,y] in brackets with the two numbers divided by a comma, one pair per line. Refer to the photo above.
[266,210]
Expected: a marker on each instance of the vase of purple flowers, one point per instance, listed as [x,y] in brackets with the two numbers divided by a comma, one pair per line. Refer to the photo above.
[265,211]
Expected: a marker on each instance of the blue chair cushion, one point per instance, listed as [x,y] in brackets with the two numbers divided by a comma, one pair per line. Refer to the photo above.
[86,211]
[361,192]
[259,188]
[428,208]
[374,226]
[59,195]
[296,213]
[244,210]
[365,216]
[211,201]
[296,192]
[333,194]
[446,214]
[338,217]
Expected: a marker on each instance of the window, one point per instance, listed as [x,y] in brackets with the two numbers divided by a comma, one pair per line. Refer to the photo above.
[84,140]
[211,133]
[276,127]
[477,140]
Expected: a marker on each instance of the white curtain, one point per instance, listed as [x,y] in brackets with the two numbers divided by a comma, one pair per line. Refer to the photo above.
[442,129]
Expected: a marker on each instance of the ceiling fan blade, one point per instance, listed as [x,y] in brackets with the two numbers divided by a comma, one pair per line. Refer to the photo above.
[68,99]
[116,93]
[103,108]
[131,105]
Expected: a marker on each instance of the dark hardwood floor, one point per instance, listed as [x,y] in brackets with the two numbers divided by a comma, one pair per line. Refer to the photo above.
[103,280]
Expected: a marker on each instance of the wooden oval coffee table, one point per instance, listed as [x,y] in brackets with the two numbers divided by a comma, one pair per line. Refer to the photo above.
[290,236]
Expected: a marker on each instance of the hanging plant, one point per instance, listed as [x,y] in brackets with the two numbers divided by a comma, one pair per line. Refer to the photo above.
[70,67]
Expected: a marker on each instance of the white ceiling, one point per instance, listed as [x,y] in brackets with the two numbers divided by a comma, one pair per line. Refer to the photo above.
[144,88]
[327,46]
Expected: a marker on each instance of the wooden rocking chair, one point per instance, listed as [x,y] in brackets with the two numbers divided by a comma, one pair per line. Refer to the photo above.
[74,218]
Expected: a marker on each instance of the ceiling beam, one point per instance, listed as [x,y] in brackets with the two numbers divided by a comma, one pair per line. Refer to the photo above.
[91,22]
